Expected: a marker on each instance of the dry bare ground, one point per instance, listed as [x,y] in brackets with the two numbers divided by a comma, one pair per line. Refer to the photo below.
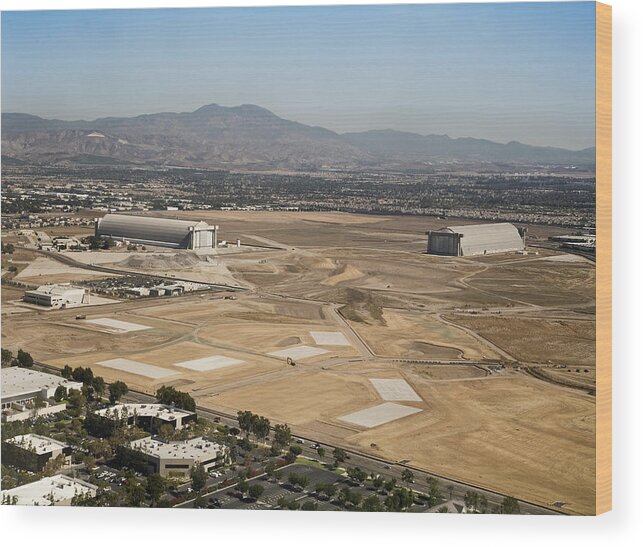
[427,320]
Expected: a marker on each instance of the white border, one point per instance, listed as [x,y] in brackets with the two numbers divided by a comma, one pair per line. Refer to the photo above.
[109,527]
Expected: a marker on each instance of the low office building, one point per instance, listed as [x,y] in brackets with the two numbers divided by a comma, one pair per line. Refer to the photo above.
[32,452]
[149,417]
[176,458]
[56,490]
[22,387]
[57,296]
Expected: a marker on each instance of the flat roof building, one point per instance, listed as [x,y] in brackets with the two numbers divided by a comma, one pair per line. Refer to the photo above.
[57,296]
[146,416]
[33,452]
[476,239]
[158,231]
[177,458]
[56,490]
[21,386]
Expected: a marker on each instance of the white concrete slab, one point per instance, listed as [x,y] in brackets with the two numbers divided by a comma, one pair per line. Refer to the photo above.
[380,414]
[209,363]
[334,338]
[117,325]
[394,390]
[135,367]
[299,352]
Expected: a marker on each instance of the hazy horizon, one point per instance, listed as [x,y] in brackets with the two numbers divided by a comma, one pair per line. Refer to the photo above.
[503,72]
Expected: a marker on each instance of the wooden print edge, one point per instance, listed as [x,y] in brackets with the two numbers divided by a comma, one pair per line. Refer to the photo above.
[603,258]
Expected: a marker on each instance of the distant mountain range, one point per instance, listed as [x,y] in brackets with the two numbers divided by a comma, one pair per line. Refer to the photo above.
[251,137]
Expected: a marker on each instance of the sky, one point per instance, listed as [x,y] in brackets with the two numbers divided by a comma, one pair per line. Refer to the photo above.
[504,72]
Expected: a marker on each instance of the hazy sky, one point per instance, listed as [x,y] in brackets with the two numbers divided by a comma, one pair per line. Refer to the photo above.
[498,71]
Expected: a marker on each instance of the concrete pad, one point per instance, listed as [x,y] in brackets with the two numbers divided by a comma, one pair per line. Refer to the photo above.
[135,367]
[394,390]
[209,363]
[116,325]
[298,352]
[378,415]
[334,338]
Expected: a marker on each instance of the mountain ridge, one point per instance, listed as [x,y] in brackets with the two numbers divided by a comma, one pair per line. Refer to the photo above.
[251,136]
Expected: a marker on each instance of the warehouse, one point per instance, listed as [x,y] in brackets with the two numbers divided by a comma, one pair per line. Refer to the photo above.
[176,458]
[476,239]
[57,296]
[155,231]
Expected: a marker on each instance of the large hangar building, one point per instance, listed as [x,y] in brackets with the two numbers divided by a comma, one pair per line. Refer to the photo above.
[158,231]
[476,239]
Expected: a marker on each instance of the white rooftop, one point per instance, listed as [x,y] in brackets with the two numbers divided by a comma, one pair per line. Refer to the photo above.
[18,381]
[57,290]
[197,449]
[164,412]
[60,487]
[37,443]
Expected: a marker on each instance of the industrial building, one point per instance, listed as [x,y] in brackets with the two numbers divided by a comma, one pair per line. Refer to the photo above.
[32,452]
[20,388]
[156,231]
[147,416]
[56,490]
[176,458]
[476,239]
[57,296]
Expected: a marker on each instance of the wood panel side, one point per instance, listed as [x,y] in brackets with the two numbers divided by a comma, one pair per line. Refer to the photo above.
[603,258]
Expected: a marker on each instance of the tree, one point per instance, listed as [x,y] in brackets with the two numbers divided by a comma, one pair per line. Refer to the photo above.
[309,506]
[471,499]
[321,452]
[246,421]
[255,491]
[200,502]
[60,393]
[373,504]
[400,499]
[77,402]
[340,456]
[24,359]
[66,372]
[509,506]
[116,391]
[90,463]
[407,476]
[166,432]
[7,357]
[84,375]
[155,487]
[199,477]
[435,496]
[99,385]
[135,493]
[282,436]
[356,474]
[168,395]
[8,248]
[261,427]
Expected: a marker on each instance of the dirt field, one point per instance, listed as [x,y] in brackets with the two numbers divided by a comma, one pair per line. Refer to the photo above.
[436,322]
[541,340]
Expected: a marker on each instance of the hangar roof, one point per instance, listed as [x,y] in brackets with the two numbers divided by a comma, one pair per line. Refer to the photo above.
[492,238]
[148,229]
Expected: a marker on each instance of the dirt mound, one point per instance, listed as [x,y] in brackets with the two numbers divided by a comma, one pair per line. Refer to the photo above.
[362,307]
[168,261]
[343,273]
[290,341]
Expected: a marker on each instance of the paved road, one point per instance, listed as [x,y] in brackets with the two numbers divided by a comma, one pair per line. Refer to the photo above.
[371,464]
